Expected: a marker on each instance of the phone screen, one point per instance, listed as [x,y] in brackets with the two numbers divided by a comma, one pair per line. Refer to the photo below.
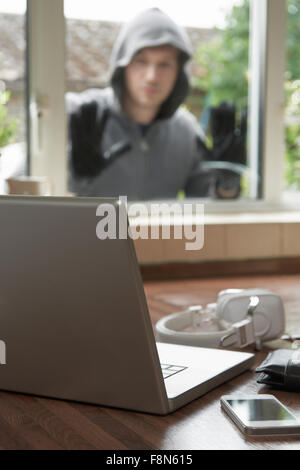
[260,410]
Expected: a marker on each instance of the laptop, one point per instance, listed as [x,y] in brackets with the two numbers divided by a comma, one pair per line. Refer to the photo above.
[74,317]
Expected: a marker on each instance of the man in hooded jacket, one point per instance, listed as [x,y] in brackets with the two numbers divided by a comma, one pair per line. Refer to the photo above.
[133,138]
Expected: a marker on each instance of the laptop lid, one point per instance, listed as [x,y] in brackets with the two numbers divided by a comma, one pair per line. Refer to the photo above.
[73,313]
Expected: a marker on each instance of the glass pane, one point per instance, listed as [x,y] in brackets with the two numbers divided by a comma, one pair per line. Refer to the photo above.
[219,33]
[12,91]
[292,107]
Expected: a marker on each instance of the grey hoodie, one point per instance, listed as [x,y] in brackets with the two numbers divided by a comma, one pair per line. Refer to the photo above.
[165,160]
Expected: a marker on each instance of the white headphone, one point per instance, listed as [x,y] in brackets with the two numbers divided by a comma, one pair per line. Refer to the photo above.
[240,317]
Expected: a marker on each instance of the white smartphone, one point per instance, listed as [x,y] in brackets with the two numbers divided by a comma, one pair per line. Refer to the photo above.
[260,415]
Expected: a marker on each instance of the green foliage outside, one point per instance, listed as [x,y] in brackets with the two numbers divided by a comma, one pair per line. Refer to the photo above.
[8,127]
[225,61]
[226,66]
[292,135]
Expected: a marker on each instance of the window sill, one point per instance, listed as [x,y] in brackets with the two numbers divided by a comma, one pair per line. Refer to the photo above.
[230,236]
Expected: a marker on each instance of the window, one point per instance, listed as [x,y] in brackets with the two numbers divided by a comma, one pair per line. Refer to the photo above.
[219,33]
[292,103]
[12,90]
[265,152]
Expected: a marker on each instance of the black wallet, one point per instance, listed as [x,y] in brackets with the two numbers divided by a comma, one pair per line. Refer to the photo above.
[281,368]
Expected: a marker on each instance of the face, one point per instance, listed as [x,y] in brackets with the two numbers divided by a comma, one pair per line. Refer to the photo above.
[151,76]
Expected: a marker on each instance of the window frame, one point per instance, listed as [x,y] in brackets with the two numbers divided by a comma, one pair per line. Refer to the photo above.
[266,97]
[46,61]
[47,130]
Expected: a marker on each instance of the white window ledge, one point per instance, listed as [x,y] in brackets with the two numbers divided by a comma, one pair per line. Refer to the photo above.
[228,236]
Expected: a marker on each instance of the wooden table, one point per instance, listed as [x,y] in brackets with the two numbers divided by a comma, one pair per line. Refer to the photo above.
[28,422]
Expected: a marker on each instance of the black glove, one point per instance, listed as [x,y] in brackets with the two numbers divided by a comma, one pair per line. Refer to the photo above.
[87,126]
[229,146]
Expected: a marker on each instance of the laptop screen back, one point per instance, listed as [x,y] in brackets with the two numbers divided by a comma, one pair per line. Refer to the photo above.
[73,312]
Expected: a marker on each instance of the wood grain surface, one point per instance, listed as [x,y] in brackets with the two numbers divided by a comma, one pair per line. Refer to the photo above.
[29,422]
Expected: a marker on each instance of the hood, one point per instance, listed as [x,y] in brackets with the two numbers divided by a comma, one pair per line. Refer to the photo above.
[149,29]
